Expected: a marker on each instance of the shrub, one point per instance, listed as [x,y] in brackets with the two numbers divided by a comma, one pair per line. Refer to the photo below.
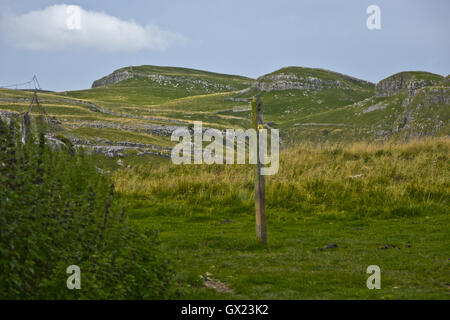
[56,210]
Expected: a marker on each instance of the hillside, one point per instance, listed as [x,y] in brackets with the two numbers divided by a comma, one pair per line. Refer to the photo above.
[426,114]
[406,83]
[151,85]
[358,111]
[297,101]
[419,101]
[133,110]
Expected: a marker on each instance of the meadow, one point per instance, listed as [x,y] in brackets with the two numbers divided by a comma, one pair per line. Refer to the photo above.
[384,204]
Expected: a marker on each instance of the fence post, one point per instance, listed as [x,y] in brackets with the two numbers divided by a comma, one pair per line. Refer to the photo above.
[260,187]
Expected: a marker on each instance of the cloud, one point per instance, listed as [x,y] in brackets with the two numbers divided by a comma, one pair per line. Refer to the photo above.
[68,27]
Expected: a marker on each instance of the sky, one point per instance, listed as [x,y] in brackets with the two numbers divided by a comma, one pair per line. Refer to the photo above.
[68,45]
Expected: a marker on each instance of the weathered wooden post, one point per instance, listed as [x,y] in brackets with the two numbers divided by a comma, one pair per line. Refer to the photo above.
[260,187]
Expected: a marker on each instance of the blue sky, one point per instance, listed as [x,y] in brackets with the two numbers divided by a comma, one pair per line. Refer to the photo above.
[249,38]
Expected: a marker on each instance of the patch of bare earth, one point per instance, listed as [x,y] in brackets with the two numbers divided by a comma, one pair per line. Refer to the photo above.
[215,284]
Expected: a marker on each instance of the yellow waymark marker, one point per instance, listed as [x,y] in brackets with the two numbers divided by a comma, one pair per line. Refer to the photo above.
[260,127]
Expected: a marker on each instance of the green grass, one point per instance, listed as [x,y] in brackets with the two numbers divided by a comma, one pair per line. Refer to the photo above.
[141,90]
[193,73]
[399,198]
[291,267]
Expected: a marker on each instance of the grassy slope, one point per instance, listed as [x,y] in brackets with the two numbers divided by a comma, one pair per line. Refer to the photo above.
[319,73]
[205,215]
[354,114]
[376,117]
[148,92]
[332,114]
[303,113]
[146,97]
[74,113]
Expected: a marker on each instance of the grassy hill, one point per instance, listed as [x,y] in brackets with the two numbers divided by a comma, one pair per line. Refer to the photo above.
[142,104]
[406,82]
[299,100]
[152,85]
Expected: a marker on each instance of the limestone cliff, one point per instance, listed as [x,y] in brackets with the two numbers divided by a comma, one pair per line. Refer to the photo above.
[406,82]
[297,78]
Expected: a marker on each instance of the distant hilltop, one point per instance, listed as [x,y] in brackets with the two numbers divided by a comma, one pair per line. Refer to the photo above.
[288,78]
[135,109]
[310,102]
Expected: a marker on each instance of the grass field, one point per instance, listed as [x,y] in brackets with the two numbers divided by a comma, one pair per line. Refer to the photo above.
[383,205]
[350,175]
[291,267]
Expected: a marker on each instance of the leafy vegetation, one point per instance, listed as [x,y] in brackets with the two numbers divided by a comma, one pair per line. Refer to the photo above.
[56,210]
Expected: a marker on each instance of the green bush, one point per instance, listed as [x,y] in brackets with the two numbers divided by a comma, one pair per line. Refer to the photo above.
[56,210]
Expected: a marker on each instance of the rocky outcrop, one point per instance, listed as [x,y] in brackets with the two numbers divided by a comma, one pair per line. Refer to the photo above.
[297,78]
[425,115]
[157,129]
[404,82]
[162,80]
[6,116]
[437,95]
[375,107]
[238,95]
[284,81]
[119,149]
[112,78]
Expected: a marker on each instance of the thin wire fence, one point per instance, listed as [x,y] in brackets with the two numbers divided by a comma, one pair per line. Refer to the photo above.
[32,84]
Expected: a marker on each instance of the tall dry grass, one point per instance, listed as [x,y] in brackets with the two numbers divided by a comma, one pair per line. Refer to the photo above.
[360,179]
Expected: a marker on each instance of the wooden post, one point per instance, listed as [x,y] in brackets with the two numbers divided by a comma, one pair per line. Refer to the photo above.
[260,187]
